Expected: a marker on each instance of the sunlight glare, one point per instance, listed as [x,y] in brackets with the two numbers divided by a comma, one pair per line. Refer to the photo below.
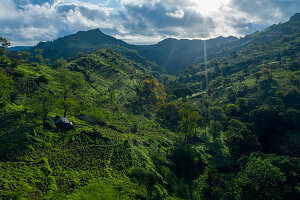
[207,7]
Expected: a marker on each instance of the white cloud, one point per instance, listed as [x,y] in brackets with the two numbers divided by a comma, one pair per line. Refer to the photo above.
[139,21]
[7,10]
[176,14]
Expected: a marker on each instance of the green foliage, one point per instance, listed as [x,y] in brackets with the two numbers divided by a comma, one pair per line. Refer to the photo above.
[260,180]
[188,120]
[169,113]
[208,185]
[121,149]
[240,139]
[215,128]
[232,109]
[4,45]
[25,55]
[152,91]
[216,113]
[59,63]
[102,190]
[186,162]
[72,85]
[39,58]
[43,102]
[5,88]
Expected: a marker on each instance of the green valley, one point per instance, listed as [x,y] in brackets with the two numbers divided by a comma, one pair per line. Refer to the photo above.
[88,116]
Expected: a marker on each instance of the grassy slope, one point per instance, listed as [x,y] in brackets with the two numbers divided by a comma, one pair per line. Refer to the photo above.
[51,163]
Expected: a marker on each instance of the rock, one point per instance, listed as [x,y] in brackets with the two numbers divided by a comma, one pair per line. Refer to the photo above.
[63,123]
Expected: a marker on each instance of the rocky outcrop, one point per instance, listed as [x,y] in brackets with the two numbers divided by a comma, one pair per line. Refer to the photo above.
[63,123]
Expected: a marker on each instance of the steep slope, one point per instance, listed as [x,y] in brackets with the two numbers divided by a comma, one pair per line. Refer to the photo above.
[265,75]
[109,143]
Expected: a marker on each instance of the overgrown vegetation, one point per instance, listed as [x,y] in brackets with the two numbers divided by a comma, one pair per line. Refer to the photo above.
[138,133]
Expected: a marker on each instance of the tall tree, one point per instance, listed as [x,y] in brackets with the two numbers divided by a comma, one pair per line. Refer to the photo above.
[188,120]
[72,84]
[43,102]
[39,56]
[4,44]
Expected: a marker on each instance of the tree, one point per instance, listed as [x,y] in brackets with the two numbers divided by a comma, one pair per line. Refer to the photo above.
[38,51]
[215,127]
[47,61]
[153,91]
[233,55]
[216,113]
[39,56]
[240,139]
[207,186]
[188,120]
[232,109]
[25,55]
[294,65]
[169,114]
[242,103]
[72,84]
[43,102]
[4,44]
[59,63]
[183,93]
[260,180]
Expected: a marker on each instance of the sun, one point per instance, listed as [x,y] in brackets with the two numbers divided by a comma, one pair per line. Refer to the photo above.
[208,7]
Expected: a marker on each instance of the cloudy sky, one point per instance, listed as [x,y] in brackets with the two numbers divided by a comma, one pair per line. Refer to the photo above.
[26,22]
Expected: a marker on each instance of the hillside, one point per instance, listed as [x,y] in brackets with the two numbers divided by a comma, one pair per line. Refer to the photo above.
[111,124]
[266,76]
[98,92]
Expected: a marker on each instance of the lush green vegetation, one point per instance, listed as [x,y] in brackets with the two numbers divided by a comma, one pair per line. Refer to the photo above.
[139,133]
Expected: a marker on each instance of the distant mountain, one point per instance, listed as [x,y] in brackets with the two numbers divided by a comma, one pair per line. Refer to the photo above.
[19,48]
[223,48]
[172,54]
[163,53]
[82,41]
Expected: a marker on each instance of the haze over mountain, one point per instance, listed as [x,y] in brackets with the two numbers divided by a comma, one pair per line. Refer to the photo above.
[172,54]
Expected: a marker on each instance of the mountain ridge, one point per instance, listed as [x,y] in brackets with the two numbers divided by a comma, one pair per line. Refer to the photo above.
[175,55]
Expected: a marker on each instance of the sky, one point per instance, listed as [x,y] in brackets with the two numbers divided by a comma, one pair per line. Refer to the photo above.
[27,22]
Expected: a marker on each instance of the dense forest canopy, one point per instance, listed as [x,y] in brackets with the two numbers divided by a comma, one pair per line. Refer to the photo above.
[88,116]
